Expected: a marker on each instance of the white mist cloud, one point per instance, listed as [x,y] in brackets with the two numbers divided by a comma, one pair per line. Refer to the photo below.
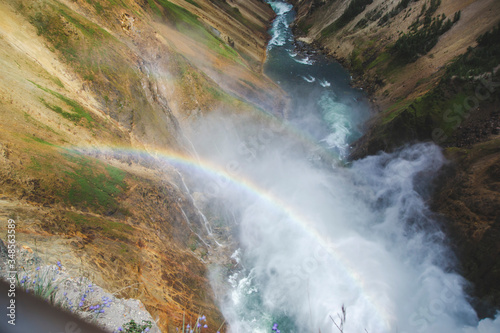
[314,238]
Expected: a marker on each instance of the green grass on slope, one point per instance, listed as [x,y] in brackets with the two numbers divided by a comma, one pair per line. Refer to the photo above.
[189,24]
[94,184]
[77,111]
[104,227]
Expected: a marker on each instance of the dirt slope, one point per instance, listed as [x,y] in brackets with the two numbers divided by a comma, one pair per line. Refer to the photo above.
[81,75]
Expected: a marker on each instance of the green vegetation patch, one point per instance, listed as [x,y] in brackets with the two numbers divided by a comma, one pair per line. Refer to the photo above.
[51,24]
[188,24]
[355,8]
[395,11]
[94,185]
[87,29]
[75,180]
[193,3]
[356,62]
[97,5]
[483,58]
[182,18]
[423,36]
[154,7]
[225,6]
[57,81]
[433,7]
[394,110]
[305,26]
[29,119]
[78,111]
[382,58]
[79,41]
[88,224]
[447,113]
[439,113]
[371,16]
[35,164]
[37,139]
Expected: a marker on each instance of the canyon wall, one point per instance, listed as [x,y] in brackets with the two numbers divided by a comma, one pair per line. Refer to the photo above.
[94,97]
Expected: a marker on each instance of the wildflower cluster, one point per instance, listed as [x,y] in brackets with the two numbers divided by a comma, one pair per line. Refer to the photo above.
[78,296]
[275,328]
[80,302]
[99,307]
[200,324]
[43,283]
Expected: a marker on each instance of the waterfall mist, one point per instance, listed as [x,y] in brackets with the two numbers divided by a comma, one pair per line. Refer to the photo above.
[314,236]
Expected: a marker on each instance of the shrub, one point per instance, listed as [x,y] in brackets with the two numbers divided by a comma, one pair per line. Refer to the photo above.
[133,327]
[395,11]
[483,58]
[419,41]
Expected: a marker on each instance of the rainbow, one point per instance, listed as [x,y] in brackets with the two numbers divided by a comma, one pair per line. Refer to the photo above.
[180,160]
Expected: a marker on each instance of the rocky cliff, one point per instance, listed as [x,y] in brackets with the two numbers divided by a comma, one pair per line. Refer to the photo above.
[431,70]
[91,94]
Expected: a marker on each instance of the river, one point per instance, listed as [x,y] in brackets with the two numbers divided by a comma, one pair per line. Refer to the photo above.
[323,247]
[324,105]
